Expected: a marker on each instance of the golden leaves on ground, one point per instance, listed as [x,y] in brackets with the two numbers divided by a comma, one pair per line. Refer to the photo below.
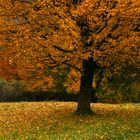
[47,120]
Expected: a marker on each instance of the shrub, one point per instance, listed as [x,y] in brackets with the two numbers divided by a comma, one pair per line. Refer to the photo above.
[121,88]
[10,91]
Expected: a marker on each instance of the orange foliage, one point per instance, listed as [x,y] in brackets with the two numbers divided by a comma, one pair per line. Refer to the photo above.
[45,34]
[6,70]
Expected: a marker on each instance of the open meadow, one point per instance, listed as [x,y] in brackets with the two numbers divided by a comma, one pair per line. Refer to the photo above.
[56,121]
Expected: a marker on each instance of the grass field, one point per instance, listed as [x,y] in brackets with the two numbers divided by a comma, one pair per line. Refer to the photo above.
[56,121]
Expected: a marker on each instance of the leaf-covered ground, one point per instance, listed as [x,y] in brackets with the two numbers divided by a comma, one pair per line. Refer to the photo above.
[56,121]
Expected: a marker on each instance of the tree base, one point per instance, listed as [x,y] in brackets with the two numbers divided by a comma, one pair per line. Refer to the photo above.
[80,112]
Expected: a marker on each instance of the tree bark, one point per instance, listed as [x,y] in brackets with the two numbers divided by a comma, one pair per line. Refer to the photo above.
[86,89]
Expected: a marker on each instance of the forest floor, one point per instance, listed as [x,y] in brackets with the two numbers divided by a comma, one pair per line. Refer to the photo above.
[56,121]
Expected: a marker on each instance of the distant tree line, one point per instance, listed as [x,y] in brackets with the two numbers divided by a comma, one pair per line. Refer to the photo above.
[122,88]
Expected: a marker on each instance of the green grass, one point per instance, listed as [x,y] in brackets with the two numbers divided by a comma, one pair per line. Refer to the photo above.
[56,121]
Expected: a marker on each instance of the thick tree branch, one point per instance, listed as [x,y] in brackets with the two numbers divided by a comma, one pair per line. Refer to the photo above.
[63,50]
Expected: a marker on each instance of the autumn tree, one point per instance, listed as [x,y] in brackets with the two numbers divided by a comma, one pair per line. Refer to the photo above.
[86,35]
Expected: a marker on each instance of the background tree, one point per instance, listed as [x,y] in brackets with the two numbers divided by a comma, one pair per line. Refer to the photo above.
[85,35]
[6,70]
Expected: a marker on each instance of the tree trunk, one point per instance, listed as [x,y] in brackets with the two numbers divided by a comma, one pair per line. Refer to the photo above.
[86,90]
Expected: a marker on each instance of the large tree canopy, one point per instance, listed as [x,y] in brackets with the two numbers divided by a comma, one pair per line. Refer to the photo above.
[43,35]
